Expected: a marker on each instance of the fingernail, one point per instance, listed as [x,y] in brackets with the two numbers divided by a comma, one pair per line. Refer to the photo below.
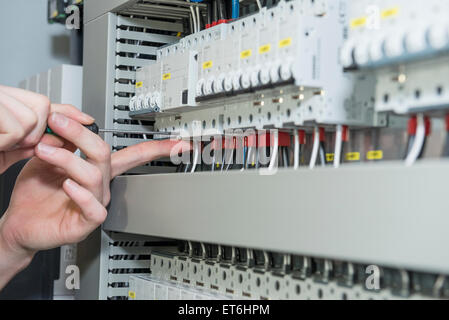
[45,148]
[71,185]
[60,120]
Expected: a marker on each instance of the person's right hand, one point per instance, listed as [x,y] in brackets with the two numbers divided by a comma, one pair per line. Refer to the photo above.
[23,122]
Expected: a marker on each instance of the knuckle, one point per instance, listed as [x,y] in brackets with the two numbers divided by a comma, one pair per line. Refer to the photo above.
[30,121]
[96,177]
[107,198]
[100,216]
[18,133]
[103,153]
[43,103]
[86,200]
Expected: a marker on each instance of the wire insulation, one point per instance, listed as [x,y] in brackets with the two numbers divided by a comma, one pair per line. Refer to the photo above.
[274,154]
[316,146]
[338,146]
[419,141]
[296,150]
[196,154]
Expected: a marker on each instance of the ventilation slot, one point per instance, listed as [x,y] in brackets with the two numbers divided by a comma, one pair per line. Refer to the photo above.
[137,40]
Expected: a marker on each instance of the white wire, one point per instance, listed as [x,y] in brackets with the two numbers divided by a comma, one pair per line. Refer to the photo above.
[296,150]
[259,5]
[195,28]
[316,146]
[338,145]
[274,155]
[419,141]
[198,18]
[196,155]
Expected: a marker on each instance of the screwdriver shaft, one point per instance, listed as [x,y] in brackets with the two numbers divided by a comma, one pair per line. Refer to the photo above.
[138,132]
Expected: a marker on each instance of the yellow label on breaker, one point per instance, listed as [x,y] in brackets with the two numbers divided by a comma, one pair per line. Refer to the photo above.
[54,14]
[246,54]
[352,156]
[166,76]
[132,294]
[358,22]
[207,65]
[285,42]
[139,84]
[375,155]
[265,48]
[329,157]
[390,12]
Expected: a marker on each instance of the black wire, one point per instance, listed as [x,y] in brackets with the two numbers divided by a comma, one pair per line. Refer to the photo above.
[446,146]
[215,10]
[342,151]
[209,12]
[322,153]
[421,153]
[285,161]
[221,10]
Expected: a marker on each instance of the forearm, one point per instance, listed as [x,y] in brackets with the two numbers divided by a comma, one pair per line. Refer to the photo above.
[12,260]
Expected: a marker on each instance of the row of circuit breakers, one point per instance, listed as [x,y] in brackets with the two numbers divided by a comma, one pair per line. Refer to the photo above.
[334,62]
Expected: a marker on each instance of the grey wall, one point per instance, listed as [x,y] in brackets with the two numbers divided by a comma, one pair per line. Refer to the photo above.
[28,44]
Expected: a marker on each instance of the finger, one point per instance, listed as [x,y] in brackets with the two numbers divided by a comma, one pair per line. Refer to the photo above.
[72,112]
[25,116]
[88,142]
[86,174]
[36,102]
[93,212]
[11,130]
[52,140]
[139,154]
[58,142]
[97,151]
[7,159]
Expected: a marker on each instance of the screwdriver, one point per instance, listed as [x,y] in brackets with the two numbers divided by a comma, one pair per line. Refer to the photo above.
[95,129]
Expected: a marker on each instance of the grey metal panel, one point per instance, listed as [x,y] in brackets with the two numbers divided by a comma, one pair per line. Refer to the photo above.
[382,213]
[150,24]
[89,261]
[98,75]
[96,8]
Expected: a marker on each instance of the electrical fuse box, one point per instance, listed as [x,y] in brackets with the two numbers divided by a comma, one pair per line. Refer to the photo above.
[166,85]
[405,46]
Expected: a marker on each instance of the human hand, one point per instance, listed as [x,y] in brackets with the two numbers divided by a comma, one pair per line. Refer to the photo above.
[23,123]
[60,198]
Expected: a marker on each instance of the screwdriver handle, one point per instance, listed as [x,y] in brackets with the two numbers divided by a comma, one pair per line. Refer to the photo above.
[92,127]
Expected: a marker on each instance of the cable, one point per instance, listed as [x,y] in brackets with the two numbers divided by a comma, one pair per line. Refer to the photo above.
[296,150]
[221,10]
[322,154]
[195,28]
[338,145]
[419,141]
[235,9]
[196,154]
[274,155]
[285,158]
[214,10]
[198,18]
[316,146]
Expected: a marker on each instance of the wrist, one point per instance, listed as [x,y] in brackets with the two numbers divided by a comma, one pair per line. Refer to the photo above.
[12,255]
